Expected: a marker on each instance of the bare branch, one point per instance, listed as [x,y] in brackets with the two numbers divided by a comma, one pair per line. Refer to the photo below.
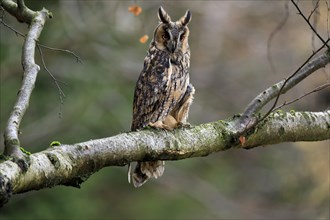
[288,79]
[316,13]
[274,32]
[281,91]
[302,96]
[328,11]
[325,43]
[276,90]
[11,28]
[315,9]
[12,145]
[310,25]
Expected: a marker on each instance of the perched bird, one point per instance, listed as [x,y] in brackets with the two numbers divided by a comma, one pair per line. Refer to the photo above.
[163,94]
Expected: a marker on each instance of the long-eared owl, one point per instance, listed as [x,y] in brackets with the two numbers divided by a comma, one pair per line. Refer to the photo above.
[163,94]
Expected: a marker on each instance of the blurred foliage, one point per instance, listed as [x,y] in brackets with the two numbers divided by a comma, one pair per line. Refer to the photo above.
[229,56]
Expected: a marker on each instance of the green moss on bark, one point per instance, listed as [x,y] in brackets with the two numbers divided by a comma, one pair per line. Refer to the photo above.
[55,143]
[25,151]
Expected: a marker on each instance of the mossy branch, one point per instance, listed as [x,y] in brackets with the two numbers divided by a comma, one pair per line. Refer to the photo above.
[73,164]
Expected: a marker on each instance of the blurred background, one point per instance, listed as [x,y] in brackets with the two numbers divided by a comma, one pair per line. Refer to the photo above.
[229,67]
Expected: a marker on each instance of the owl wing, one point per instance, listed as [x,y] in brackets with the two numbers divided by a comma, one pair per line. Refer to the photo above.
[152,98]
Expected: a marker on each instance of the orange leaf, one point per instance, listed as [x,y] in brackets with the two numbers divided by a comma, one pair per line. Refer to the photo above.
[242,139]
[144,39]
[135,9]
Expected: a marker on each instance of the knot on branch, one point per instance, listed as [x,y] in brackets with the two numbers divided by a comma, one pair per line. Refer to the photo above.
[5,190]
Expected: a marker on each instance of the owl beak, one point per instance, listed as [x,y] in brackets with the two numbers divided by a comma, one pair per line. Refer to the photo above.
[171,47]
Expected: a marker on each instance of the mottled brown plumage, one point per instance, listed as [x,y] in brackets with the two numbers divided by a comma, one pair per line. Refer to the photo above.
[163,93]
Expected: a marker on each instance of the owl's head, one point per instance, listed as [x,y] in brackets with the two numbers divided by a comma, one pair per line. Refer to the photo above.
[172,36]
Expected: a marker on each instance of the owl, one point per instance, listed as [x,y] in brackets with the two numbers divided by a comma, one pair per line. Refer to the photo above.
[163,94]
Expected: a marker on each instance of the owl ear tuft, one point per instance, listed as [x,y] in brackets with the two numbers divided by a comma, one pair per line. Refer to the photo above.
[186,18]
[163,16]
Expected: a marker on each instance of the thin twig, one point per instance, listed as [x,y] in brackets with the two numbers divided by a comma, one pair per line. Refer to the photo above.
[273,33]
[316,12]
[3,14]
[42,45]
[62,50]
[328,11]
[314,9]
[328,32]
[39,45]
[11,28]
[310,25]
[61,93]
[302,96]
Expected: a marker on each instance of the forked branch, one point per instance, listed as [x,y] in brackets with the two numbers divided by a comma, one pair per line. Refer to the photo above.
[248,118]
[281,87]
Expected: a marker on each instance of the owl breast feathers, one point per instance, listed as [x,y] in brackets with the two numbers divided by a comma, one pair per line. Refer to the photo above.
[163,94]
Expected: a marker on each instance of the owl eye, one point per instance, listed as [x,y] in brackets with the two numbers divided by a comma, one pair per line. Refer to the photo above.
[166,36]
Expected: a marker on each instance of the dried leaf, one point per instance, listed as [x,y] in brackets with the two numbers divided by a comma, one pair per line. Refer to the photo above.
[135,9]
[242,139]
[144,39]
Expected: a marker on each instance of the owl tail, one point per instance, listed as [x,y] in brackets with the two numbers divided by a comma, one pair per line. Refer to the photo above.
[145,170]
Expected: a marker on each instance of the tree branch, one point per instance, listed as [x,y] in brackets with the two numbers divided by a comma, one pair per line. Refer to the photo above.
[270,93]
[73,164]
[12,145]
[291,127]
[19,11]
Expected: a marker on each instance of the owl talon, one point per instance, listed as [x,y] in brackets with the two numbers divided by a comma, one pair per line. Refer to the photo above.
[159,125]
[156,125]
[183,125]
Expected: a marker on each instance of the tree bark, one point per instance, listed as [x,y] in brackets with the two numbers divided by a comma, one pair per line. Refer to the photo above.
[73,164]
